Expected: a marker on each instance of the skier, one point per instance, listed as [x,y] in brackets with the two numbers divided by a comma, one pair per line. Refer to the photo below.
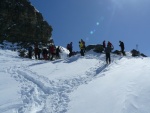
[107,51]
[122,47]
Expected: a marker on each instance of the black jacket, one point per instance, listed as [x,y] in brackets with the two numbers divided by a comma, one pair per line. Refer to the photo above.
[108,49]
[121,45]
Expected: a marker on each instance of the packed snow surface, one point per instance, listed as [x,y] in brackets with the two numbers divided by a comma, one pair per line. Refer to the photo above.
[74,85]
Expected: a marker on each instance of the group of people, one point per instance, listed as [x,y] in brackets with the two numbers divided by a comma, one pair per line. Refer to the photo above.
[49,52]
[46,53]
[109,48]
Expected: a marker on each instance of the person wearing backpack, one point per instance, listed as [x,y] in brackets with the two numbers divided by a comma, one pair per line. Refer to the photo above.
[122,47]
[69,47]
[110,45]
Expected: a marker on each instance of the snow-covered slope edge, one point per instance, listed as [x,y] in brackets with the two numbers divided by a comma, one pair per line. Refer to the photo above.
[124,88]
[73,84]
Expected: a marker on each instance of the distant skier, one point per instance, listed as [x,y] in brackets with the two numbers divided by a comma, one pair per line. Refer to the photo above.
[108,51]
[122,47]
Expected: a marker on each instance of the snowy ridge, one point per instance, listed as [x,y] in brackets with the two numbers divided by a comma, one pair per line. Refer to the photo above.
[62,86]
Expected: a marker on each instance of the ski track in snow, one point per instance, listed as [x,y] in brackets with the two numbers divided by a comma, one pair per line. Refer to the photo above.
[38,90]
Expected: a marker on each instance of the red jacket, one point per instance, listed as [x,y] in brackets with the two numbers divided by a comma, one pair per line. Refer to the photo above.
[52,49]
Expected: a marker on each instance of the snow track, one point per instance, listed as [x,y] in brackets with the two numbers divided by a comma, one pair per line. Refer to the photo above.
[38,90]
[39,94]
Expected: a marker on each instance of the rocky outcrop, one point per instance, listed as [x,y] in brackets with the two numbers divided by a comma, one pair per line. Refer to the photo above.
[137,53]
[21,22]
[97,48]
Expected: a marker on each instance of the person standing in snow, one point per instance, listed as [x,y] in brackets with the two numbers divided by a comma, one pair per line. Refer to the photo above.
[57,52]
[108,51]
[36,50]
[84,47]
[69,47]
[104,44]
[110,45]
[45,52]
[30,49]
[52,51]
[81,46]
[122,47]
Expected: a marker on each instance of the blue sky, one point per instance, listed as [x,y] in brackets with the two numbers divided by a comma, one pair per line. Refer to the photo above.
[98,20]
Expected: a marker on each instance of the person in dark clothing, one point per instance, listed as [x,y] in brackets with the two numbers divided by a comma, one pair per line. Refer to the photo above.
[104,44]
[122,47]
[70,49]
[107,51]
[52,51]
[45,52]
[57,52]
[30,49]
[39,52]
[110,45]
[36,51]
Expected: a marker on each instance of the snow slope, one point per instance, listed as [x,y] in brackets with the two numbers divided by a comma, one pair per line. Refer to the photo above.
[74,85]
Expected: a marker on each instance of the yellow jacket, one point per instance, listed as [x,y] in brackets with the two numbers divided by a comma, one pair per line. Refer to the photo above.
[81,45]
